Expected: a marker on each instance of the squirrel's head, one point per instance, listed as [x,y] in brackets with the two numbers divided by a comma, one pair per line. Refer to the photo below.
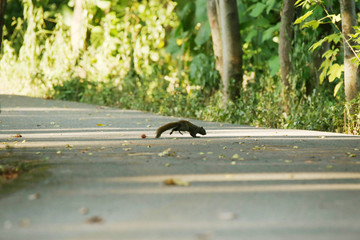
[202,131]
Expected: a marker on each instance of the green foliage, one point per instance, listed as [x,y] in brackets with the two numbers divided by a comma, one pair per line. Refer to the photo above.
[352,117]
[330,67]
[157,56]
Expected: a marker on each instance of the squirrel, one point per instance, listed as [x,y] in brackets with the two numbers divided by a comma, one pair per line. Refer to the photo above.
[181,125]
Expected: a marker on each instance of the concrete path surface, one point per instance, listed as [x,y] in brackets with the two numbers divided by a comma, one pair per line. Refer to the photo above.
[96,178]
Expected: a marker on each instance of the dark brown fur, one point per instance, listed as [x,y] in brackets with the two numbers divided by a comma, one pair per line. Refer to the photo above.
[181,125]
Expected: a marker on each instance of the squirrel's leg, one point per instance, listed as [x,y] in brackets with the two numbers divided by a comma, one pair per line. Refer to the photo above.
[180,133]
[194,135]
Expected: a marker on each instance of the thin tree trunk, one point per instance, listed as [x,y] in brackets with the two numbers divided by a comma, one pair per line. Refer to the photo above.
[76,25]
[2,14]
[232,50]
[214,20]
[286,34]
[351,73]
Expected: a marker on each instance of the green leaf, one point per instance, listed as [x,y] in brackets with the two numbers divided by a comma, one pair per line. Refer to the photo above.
[303,17]
[203,34]
[335,37]
[104,5]
[200,11]
[268,33]
[314,24]
[270,5]
[337,88]
[196,64]
[274,64]
[186,15]
[301,3]
[335,18]
[258,9]
[335,71]
[172,47]
[250,35]
[298,2]
[317,44]
[97,36]
[330,53]
[324,66]
[322,76]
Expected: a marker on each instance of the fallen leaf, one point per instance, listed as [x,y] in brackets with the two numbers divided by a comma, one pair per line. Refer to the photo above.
[141,154]
[94,219]
[25,222]
[176,182]
[227,216]
[83,211]
[68,146]
[100,124]
[167,152]
[34,196]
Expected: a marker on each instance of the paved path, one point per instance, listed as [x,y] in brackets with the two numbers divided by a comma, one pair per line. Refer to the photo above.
[103,181]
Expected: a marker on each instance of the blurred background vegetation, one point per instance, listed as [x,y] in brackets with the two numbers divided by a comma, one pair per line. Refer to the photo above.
[157,55]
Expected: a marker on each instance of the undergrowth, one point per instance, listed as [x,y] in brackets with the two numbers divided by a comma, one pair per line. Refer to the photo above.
[130,72]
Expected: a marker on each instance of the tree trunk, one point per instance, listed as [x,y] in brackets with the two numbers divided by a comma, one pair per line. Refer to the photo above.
[351,74]
[214,20]
[2,14]
[76,31]
[232,50]
[286,35]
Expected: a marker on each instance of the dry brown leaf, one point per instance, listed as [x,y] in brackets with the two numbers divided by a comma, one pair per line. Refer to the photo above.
[94,219]
[176,182]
